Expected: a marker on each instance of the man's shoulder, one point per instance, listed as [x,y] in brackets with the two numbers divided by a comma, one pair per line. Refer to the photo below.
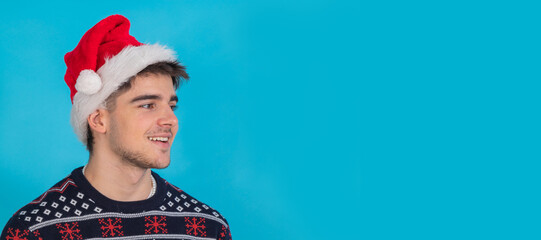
[53,198]
[46,205]
[180,201]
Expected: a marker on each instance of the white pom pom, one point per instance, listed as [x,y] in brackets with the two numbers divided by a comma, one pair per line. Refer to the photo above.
[88,82]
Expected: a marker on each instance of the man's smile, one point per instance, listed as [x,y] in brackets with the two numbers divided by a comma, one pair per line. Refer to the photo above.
[162,139]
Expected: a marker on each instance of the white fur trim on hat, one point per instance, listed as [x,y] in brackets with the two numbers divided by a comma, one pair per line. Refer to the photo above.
[114,72]
[88,82]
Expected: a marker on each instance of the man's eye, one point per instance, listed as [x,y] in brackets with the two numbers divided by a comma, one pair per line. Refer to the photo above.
[147,106]
[174,107]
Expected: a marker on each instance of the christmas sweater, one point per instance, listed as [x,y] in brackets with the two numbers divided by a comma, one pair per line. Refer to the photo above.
[74,210]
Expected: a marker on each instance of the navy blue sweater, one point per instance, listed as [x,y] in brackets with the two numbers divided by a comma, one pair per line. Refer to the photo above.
[73,210]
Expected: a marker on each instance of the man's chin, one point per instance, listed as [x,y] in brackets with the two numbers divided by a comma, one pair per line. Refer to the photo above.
[148,163]
[161,164]
[160,167]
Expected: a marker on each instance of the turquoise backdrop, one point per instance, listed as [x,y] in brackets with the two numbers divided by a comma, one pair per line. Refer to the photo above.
[309,119]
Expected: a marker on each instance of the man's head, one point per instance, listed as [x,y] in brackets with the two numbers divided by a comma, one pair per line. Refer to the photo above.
[138,124]
[107,67]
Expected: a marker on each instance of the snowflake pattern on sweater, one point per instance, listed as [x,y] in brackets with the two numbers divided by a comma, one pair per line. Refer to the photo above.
[73,210]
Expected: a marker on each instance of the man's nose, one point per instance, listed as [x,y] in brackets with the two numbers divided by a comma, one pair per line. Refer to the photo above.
[168,118]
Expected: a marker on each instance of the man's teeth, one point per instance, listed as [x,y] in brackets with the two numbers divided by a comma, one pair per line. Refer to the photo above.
[162,139]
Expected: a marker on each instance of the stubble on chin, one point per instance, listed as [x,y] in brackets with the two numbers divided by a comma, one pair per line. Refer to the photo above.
[135,158]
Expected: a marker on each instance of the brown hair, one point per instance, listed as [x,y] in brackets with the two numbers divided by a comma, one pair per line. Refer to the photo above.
[174,69]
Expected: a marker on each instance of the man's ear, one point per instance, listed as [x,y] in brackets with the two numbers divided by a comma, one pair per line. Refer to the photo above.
[98,120]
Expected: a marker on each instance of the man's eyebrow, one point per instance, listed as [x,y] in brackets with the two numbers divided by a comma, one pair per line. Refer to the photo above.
[174,98]
[145,97]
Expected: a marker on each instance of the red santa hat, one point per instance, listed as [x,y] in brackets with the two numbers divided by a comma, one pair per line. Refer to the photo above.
[105,58]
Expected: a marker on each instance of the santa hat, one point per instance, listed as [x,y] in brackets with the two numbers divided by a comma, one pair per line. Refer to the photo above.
[105,58]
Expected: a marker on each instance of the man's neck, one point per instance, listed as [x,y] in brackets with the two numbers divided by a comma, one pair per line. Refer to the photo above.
[118,180]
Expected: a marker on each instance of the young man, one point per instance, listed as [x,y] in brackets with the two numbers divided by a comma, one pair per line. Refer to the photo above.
[123,95]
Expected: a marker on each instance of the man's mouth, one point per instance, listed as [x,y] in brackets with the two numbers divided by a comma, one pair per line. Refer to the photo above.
[161,142]
[160,139]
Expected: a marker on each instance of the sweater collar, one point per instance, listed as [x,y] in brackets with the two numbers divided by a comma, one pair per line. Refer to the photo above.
[111,205]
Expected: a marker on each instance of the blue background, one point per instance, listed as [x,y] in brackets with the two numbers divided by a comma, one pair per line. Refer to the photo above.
[309,119]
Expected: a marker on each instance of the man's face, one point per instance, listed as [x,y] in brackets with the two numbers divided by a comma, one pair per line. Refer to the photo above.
[143,125]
